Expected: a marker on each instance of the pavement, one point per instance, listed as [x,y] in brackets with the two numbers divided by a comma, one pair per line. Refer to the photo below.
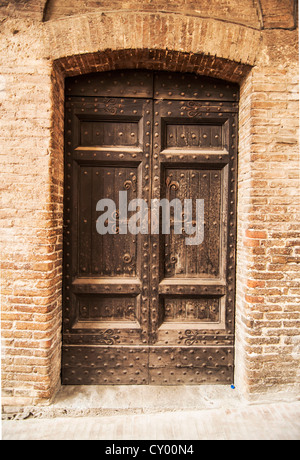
[113,414]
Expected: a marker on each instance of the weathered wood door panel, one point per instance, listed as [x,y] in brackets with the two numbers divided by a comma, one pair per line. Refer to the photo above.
[108,150]
[149,308]
[192,317]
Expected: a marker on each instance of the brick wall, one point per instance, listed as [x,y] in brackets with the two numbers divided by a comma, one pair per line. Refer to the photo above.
[29,244]
[270,238]
[36,58]
[268,257]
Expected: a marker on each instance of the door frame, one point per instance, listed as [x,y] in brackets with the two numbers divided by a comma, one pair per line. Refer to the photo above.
[232,223]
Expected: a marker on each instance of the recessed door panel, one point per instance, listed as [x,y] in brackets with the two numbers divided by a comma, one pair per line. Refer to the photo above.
[193,136]
[192,310]
[109,134]
[195,260]
[106,254]
[107,309]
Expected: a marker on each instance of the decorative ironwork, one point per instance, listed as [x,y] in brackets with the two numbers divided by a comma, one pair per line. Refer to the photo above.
[193,109]
[173,185]
[190,338]
[130,184]
[127,184]
[127,258]
[110,106]
[107,337]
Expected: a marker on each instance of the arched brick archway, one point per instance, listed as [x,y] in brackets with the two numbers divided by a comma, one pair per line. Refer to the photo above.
[154,59]
[116,31]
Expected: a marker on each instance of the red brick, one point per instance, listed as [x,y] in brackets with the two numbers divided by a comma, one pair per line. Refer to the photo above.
[254,299]
[255,284]
[250,243]
[259,234]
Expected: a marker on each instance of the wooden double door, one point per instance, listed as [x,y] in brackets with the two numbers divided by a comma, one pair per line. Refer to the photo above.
[146,307]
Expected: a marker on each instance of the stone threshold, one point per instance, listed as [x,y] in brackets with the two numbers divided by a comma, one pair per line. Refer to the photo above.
[113,400]
[91,401]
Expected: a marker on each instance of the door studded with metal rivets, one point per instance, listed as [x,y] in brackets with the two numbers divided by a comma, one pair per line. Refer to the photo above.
[149,308]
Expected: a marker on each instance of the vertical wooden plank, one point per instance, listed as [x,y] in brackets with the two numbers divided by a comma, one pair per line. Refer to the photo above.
[126,245]
[85,220]
[216,137]
[110,265]
[214,221]
[205,136]
[194,136]
[97,240]
[180,246]
[193,251]
[171,136]
[204,186]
